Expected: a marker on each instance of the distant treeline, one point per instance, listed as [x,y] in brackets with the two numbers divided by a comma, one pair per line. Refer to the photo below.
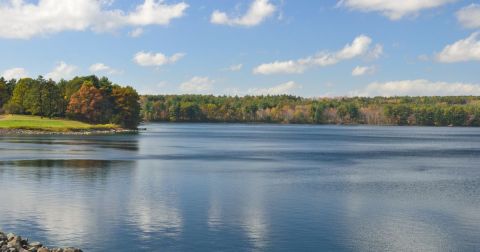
[98,101]
[424,111]
[89,99]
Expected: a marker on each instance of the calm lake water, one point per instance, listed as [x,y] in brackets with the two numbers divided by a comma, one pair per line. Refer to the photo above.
[204,187]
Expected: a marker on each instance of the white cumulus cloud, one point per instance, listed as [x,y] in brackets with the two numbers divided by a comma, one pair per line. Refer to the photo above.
[197,85]
[258,11]
[156,12]
[285,88]
[418,88]
[156,59]
[61,71]
[363,70]
[467,49]
[285,67]
[470,16]
[15,73]
[360,46]
[393,9]
[102,68]
[20,19]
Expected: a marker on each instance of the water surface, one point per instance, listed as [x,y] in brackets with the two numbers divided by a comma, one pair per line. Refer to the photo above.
[224,187]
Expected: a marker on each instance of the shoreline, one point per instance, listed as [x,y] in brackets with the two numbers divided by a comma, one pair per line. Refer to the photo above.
[309,124]
[36,125]
[15,243]
[29,132]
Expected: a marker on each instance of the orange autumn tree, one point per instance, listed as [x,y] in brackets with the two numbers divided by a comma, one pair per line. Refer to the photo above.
[89,104]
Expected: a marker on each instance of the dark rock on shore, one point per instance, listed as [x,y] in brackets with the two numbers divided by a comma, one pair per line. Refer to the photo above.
[15,243]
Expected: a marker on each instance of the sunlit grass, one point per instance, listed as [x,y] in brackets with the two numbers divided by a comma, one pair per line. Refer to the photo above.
[26,122]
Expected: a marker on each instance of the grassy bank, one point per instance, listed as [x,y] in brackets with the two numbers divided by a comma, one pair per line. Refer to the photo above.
[25,122]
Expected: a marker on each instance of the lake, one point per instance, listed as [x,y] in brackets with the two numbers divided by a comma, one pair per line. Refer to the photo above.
[234,187]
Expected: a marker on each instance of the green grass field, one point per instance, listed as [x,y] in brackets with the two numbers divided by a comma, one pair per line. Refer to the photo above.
[26,122]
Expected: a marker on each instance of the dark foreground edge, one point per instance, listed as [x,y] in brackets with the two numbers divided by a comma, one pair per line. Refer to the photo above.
[14,243]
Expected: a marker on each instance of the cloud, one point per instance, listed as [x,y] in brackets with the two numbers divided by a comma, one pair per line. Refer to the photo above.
[15,73]
[102,68]
[197,84]
[360,46]
[286,67]
[156,59]
[393,9]
[61,71]
[363,70]
[235,68]
[376,52]
[467,49]
[20,19]
[469,16]
[258,11]
[136,33]
[156,12]
[285,88]
[418,88]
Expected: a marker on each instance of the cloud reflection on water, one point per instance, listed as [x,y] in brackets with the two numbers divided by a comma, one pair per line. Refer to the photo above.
[242,187]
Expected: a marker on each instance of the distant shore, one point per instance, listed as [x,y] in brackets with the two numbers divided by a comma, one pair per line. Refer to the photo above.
[15,243]
[458,111]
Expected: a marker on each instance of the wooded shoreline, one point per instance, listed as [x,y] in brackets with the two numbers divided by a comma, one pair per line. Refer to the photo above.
[461,111]
[88,99]
[97,101]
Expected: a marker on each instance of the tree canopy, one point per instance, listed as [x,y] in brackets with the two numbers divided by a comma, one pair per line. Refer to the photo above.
[423,111]
[85,98]
[98,101]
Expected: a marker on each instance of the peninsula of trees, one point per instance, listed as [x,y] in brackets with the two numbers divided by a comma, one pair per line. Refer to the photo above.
[88,99]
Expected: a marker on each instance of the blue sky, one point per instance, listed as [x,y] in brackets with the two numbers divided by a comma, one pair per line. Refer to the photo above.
[301,47]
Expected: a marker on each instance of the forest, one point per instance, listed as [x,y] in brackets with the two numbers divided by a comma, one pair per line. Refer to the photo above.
[421,111]
[98,101]
[88,99]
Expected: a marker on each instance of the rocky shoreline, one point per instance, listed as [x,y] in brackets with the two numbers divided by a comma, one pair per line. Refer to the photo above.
[14,243]
[83,132]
